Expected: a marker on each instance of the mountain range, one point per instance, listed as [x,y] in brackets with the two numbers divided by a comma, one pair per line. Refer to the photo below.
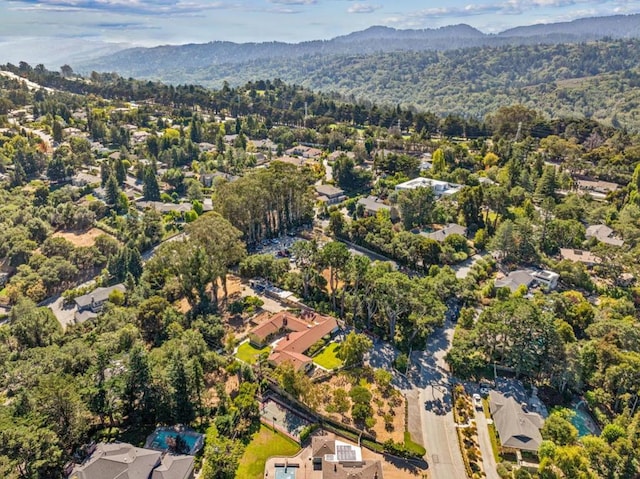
[157,62]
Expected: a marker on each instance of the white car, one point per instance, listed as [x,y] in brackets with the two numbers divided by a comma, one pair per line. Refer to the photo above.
[477,401]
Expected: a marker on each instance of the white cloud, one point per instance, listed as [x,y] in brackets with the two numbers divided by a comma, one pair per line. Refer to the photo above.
[293,2]
[363,8]
[425,16]
[146,7]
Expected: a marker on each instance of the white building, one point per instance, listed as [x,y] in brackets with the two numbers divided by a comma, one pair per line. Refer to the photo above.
[440,188]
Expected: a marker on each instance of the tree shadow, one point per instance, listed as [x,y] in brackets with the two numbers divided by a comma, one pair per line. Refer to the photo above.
[412,466]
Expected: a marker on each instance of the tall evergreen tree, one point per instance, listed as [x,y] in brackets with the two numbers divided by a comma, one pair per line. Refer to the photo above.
[112,191]
[150,188]
[182,407]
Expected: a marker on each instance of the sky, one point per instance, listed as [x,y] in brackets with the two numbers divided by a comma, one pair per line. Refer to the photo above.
[154,22]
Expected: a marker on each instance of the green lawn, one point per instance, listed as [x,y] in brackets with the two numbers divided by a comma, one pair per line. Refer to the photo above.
[264,444]
[413,446]
[249,354]
[327,357]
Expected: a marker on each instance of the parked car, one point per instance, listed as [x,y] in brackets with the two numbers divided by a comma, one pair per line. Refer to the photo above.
[477,401]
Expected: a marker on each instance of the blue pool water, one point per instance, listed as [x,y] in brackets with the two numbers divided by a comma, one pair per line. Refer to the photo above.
[583,422]
[159,439]
[285,473]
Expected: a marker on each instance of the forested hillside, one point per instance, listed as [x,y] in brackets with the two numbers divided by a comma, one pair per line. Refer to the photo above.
[597,80]
[156,61]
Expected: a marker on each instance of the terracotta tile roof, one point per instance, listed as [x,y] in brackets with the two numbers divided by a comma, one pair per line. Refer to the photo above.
[300,341]
[301,334]
[277,322]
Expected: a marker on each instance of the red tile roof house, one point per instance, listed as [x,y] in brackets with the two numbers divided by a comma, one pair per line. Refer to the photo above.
[299,335]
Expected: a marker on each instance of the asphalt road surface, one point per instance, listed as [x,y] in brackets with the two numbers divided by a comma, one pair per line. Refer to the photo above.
[433,381]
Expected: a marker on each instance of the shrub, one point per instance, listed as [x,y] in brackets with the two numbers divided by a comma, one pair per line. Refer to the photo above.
[401,362]
[307,431]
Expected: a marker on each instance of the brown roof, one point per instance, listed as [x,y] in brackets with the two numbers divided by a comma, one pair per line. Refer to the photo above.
[277,322]
[321,446]
[352,470]
[303,333]
[335,466]
[580,256]
[298,361]
[300,341]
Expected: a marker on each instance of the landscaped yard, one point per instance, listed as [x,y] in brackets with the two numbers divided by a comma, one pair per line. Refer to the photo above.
[264,444]
[327,357]
[249,354]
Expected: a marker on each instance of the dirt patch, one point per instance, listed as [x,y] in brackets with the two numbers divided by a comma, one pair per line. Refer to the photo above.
[326,275]
[234,288]
[80,238]
[387,408]
[183,306]
[231,385]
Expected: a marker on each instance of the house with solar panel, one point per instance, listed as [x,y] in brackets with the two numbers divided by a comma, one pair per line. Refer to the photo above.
[339,460]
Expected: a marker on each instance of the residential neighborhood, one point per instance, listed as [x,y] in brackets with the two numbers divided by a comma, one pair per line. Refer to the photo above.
[262,282]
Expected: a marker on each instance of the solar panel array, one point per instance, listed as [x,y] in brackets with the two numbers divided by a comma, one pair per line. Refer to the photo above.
[346,453]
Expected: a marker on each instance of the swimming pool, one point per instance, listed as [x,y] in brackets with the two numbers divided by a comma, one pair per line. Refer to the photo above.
[285,472]
[161,438]
[583,421]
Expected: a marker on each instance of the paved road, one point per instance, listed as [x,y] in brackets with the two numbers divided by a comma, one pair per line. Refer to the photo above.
[46,138]
[431,376]
[488,459]
[428,391]
[463,269]
[328,171]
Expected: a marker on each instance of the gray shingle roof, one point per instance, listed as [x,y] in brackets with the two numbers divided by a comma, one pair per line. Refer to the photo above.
[515,279]
[118,461]
[604,234]
[98,295]
[124,461]
[517,428]
[447,231]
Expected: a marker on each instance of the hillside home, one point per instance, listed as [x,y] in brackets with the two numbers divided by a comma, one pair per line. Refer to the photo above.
[339,460]
[440,188]
[517,427]
[124,461]
[579,256]
[94,301]
[373,204]
[88,306]
[330,194]
[444,233]
[604,234]
[164,208]
[529,278]
[597,186]
[298,335]
[82,179]
[304,151]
